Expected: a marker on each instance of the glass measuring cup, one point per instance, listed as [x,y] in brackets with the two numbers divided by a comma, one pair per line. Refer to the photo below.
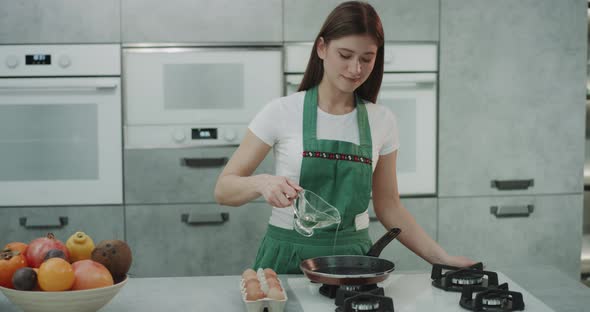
[312,212]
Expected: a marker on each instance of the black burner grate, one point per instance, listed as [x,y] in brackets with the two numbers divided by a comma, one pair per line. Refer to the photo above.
[492,299]
[455,279]
[366,302]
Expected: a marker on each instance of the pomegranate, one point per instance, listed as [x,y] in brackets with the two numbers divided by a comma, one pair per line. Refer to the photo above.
[39,247]
[90,274]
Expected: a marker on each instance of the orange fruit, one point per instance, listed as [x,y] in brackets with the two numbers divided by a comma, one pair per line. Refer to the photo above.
[56,274]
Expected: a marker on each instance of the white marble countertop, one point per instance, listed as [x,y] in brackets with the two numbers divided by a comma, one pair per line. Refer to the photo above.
[221,293]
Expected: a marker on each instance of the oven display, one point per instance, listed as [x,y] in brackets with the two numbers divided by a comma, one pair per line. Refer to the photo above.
[204,133]
[38,59]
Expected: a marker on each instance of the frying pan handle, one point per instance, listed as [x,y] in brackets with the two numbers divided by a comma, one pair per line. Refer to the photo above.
[376,249]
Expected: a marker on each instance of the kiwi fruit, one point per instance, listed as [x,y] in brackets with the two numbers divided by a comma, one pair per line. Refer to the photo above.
[115,255]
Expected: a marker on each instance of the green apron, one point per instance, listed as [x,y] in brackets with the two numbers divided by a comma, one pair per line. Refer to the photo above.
[341,173]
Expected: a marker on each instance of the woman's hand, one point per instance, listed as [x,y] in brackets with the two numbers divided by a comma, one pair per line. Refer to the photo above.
[459,261]
[278,191]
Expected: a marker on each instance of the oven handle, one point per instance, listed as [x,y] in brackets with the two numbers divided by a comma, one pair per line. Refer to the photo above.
[77,87]
[203,162]
[42,223]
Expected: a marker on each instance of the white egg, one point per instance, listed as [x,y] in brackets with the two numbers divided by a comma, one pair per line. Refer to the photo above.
[275,294]
[248,273]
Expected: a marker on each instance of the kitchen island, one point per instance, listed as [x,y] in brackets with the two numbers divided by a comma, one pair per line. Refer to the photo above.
[221,293]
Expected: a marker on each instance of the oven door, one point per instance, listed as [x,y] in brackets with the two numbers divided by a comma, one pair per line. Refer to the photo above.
[292,82]
[60,141]
[412,98]
[199,86]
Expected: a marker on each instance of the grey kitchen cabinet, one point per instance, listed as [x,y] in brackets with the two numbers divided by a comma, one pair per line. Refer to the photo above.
[24,224]
[425,211]
[197,239]
[511,97]
[182,21]
[549,235]
[403,20]
[177,175]
[60,21]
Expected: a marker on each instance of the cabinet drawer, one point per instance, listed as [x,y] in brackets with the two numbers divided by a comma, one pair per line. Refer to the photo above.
[424,210]
[177,175]
[27,223]
[549,235]
[200,239]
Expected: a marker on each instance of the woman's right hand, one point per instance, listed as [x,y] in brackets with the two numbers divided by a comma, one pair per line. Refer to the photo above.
[279,191]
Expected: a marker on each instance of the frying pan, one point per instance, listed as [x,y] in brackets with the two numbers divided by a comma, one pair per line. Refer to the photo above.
[349,269]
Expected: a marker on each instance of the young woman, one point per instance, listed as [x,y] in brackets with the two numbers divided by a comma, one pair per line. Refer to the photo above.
[329,138]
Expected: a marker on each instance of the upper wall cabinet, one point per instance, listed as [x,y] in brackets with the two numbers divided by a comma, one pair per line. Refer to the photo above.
[403,20]
[182,21]
[60,21]
[511,110]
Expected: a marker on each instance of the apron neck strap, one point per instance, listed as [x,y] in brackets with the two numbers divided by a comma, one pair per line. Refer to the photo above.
[310,114]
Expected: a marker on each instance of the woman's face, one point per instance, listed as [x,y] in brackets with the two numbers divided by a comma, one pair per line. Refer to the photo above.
[348,61]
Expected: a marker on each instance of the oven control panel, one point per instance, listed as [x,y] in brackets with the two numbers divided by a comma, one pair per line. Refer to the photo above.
[179,136]
[60,60]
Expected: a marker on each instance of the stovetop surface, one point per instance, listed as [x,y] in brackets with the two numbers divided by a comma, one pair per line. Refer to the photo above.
[410,293]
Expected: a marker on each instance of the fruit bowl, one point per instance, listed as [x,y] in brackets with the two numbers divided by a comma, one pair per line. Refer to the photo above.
[64,301]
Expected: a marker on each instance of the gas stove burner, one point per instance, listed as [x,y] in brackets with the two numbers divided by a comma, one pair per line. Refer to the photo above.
[344,293]
[351,287]
[366,302]
[467,278]
[493,299]
[331,291]
[455,279]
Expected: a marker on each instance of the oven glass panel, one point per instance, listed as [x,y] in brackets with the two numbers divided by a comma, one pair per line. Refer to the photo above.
[48,142]
[405,113]
[203,86]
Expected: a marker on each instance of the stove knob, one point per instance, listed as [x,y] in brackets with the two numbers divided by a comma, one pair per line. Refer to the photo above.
[229,135]
[178,136]
[11,61]
[64,61]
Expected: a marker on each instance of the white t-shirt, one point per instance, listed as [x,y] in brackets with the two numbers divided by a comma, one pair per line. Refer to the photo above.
[280,125]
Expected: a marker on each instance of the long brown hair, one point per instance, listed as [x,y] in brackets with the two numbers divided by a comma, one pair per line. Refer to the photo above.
[349,18]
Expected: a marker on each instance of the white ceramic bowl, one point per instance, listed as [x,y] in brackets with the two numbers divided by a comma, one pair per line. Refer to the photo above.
[63,301]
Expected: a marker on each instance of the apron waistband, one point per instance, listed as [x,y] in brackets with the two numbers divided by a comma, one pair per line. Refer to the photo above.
[319,238]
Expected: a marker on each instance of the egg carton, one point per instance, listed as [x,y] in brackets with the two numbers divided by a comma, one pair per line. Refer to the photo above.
[272,305]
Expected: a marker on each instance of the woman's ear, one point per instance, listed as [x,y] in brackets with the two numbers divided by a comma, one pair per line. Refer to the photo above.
[322,48]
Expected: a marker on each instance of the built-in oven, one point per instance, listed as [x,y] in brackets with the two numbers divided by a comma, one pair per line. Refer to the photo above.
[409,89]
[196,96]
[60,125]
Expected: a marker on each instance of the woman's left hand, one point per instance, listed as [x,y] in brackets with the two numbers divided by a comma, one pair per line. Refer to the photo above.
[459,261]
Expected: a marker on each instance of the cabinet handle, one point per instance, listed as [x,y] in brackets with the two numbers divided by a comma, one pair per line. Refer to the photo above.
[203,162]
[373,219]
[204,218]
[512,211]
[507,185]
[43,223]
